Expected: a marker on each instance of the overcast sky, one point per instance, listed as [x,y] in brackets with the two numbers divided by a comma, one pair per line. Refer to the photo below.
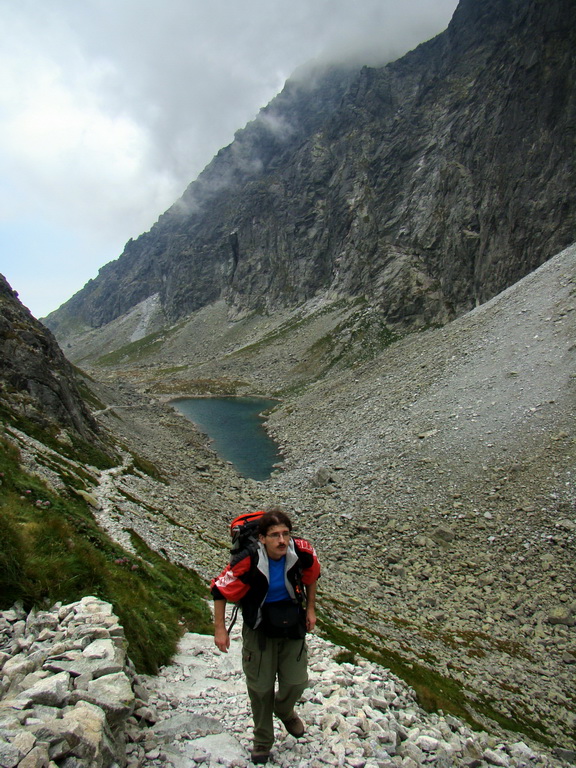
[110,108]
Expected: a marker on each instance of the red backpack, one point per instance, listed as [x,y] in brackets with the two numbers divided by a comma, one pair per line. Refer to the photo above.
[244,532]
[244,535]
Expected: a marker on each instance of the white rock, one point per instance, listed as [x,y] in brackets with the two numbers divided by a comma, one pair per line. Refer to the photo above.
[427,743]
[496,758]
[52,691]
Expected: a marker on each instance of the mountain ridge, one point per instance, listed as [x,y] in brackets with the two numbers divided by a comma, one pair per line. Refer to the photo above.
[36,380]
[427,186]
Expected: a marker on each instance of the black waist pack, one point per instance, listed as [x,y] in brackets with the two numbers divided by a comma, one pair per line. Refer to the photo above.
[283,618]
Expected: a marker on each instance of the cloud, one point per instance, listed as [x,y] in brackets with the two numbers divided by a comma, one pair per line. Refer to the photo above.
[109,109]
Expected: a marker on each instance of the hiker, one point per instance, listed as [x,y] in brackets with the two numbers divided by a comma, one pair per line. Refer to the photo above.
[274,580]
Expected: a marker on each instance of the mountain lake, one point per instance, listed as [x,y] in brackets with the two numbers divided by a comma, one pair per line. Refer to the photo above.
[235,427]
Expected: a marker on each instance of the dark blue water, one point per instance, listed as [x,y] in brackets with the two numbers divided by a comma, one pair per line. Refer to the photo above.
[236,430]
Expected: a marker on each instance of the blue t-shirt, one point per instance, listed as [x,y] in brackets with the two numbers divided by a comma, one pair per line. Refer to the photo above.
[277,589]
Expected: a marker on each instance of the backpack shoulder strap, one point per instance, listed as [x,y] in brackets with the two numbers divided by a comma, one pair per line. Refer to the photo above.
[249,551]
[233,617]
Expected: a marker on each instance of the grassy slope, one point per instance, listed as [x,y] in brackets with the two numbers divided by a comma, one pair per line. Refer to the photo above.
[51,549]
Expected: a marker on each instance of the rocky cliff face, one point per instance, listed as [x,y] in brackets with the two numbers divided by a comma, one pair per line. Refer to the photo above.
[428,185]
[36,380]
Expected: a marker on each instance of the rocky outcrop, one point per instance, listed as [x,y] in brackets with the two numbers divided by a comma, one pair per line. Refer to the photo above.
[66,685]
[36,380]
[428,185]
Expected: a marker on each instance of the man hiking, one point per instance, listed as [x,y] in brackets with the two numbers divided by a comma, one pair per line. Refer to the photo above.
[274,580]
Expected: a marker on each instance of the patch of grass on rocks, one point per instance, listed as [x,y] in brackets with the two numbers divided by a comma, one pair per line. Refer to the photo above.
[51,550]
[77,449]
[434,692]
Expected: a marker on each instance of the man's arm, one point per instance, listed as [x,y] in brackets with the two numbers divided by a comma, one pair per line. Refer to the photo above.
[311,606]
[230,586]
[221,636]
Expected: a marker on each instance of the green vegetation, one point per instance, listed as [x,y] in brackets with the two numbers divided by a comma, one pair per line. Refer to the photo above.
[299,321]
[147,467]
[358,339]
[476,643]
[87,394]
[52,550]
[434,692]
[78,449]
[360,336]
[345,657]
[136,351]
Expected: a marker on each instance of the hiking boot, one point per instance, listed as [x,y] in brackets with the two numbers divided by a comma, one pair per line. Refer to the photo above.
[259,754]
[294,726]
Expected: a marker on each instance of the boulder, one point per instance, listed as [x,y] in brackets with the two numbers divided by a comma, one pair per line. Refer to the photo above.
[562,614]
[53,691]
[114,694]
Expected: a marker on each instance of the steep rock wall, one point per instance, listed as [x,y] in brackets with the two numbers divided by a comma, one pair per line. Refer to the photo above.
[428,185]
[36,380]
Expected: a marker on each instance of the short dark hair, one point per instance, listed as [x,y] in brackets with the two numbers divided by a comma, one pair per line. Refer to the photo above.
[273,517]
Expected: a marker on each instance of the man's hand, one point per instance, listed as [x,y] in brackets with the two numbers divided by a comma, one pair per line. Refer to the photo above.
[310,618]
[222,639]
[311,606]
[221,636]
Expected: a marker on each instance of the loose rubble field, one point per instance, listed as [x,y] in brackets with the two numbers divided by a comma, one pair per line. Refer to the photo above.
[436,481]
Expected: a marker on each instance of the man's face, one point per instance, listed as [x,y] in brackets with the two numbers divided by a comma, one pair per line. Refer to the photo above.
[276,541]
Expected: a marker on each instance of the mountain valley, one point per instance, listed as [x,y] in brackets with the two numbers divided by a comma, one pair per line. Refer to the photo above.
[389,253]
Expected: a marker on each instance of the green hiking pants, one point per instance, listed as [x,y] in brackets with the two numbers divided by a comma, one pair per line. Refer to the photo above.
[278,659]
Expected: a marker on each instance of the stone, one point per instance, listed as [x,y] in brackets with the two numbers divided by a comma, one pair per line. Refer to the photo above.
[322,477]
[60,730]
[443,533]
[225,745]
[24,741]
[569,755]
[521,751]
[40,621]
[562,615]
[89,498]
[9,755]
[19,665]
[427,743]
[191,723]
[496,758]
[36,758]
[51,691]
[72,762]
[59,749]
[114,694]
[89,725]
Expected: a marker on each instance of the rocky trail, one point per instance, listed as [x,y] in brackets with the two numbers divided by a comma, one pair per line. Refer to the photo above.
[71,699]
[358,715]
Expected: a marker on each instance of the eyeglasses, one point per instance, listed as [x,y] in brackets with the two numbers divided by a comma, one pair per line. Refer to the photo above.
[279,534]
